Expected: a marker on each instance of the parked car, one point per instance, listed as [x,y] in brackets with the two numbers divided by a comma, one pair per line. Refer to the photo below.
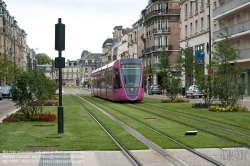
[193,91]
[155,89]
[1,97]
[6,92]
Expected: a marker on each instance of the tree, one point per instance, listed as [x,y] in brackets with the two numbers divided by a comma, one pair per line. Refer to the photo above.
[8,69]
[195,71]
[43,59]
[31,89]
[171,84]
[228,86]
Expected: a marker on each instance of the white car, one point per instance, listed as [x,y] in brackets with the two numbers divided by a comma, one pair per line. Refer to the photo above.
[193,91]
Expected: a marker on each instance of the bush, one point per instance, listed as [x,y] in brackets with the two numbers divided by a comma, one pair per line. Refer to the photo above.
[218,108]
[177,100]
[17,117]
[200,105]
[50,103]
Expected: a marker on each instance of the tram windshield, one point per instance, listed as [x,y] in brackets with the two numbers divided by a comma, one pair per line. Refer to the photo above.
[131,75]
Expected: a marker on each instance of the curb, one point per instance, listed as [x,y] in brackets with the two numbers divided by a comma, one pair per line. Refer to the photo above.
[1,119]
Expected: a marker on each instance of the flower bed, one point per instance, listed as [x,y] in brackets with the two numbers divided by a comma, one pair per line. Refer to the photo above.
[218,108]
[17,117]
[177,100]
[50,103]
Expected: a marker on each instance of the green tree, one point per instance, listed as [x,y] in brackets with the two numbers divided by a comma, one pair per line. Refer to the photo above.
[171,84]
[8,69]
[31,89]
[228,86]
[43,59]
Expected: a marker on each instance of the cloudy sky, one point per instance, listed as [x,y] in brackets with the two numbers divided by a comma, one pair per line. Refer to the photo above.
[88,22]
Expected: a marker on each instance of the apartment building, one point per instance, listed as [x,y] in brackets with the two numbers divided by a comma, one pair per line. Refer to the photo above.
[161,30]
[135,43]
[12,38]
[235,14]
[194,33]
[71,73]
[116,47]
[88,63]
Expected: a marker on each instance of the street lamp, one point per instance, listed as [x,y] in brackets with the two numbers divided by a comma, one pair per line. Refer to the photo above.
[208,45]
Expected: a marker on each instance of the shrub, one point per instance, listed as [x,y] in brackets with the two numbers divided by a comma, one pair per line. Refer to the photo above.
[50,103]
[200,105]
[17,117]
[176,100]
[218,108]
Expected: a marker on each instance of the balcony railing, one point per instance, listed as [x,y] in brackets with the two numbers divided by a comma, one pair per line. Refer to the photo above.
[228,6]
[166,30]
[162,11]
[158,48]
[244,54]
[238,28]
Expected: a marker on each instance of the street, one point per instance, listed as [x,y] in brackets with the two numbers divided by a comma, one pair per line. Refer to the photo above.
[6,108]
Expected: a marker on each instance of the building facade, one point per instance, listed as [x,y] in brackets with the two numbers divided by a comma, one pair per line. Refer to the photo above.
[13,41]
[194,28]
[235,14]
[135,43]
[88,63]
[161,30]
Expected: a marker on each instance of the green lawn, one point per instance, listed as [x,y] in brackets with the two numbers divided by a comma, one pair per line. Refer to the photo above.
[81,132]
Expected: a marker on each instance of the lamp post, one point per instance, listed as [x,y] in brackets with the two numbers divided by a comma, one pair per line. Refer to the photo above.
[209,26]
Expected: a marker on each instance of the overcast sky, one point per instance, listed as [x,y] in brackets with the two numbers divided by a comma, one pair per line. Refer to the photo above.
[88,22]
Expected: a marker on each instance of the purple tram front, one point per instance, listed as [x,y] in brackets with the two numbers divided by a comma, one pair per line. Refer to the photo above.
[120,80]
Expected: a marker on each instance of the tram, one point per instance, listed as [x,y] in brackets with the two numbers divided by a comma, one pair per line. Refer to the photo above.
[120,80]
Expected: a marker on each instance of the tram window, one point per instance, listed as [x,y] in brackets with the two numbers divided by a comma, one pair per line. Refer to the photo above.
[117,83]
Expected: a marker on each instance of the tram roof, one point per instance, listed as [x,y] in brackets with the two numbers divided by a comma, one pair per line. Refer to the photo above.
[105,67]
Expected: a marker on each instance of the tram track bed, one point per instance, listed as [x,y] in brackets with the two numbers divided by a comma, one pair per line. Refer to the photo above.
[82,133]
[175,127]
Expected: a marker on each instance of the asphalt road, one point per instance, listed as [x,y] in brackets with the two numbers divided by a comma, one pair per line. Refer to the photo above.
[6,107]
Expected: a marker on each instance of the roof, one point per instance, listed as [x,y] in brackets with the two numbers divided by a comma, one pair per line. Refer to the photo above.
[84,52]
[109,40]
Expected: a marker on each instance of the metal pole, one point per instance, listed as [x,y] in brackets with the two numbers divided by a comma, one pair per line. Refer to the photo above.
[210,46]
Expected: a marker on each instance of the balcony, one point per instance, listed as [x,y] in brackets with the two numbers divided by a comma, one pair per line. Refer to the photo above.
[162,12]
[158,48]
[244,54]
[234,4]
[235,29]
[166,30]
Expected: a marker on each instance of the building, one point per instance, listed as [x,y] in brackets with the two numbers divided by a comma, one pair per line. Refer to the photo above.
[88,63]
[194,28]
[135,43]
[71,73]
[116,47]
[161,30]
[12,37]
[235,14]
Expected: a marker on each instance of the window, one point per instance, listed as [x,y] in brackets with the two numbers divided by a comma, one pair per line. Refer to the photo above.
[185,30]
[159,25]
[208,22]
[166,6]
[215,5]
[191,9]
[159,7]
[159,42]
[201,24]
[166,24]
[191,28]
[117,83]
[196,26]
[186,10]
[202,4]
[196,5]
